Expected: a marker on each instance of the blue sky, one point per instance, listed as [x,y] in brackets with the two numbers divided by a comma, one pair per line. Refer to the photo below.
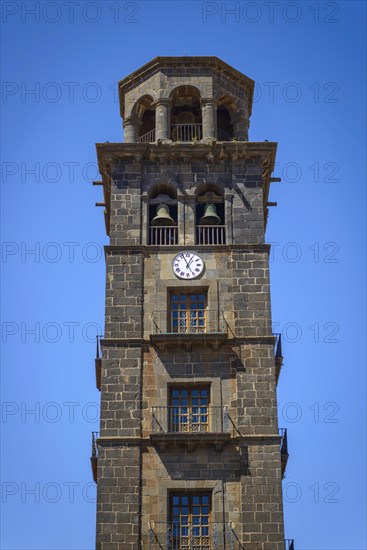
[308,62]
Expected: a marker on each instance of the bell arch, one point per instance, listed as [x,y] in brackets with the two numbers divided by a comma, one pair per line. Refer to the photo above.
[210,214]
[227,112]
[143,114]
[162,214]
[186,114]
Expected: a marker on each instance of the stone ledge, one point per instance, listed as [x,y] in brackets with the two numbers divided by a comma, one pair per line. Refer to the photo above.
[190,439]
[136,342]
[135,249]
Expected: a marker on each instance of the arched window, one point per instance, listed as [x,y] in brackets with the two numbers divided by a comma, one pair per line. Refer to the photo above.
[210,215]
[226,110]
[145,115]
[162,215]
[186,117]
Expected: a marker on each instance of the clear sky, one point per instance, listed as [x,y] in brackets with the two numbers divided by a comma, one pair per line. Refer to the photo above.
[60,64]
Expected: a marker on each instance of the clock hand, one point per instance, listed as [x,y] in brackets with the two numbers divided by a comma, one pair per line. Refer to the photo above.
[187,264]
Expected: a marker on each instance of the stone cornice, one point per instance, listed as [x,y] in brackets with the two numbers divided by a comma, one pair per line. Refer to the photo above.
[152,249]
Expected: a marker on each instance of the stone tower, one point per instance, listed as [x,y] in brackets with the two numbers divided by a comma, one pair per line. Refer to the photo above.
[189,454]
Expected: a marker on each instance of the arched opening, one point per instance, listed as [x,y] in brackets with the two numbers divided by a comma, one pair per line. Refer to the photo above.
[225,111]
[210,215]
[162,215]
[145,113]
[186,117]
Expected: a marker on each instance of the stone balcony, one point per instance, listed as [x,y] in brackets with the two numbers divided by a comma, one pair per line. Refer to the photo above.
[212,330]
[190,426]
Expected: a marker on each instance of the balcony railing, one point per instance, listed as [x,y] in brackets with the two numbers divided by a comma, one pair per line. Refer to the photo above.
[94,455]
[163,236]
[184,132]
[190,322]
[278,354]
[289,544]
[149,137]
[180,536]
[187,132]
[283,449]
[190,419]
[211,234]
[98,362]
[224,136]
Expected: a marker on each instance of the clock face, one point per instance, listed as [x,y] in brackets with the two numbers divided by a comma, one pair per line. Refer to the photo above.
[187,265]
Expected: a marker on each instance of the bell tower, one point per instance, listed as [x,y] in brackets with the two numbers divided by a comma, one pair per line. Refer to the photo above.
[189,455]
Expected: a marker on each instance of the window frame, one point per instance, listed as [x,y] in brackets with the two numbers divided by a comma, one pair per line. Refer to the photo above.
[194,418]
[190,530]
[188,318]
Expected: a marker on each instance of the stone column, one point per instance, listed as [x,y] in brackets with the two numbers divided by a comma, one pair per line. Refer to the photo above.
[240,129]
[131,125]
[162,118]
[209,114]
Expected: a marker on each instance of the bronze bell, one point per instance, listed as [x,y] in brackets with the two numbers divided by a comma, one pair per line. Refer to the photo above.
[210,216]
[162,216]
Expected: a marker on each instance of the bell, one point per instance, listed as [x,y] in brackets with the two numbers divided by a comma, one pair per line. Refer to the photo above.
[210,216]
[162,216]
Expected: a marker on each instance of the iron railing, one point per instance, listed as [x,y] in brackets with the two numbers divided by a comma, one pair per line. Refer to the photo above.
[187,132]
[190,419]
[289,544]
[193,322]
[98,362]
[184,132]
[200,536]
[278,355]
[149,137]
[95,436]
[211,234]
[284,441]
[224,136]
[163,235]
[278,345]
[94,455]
[283,449]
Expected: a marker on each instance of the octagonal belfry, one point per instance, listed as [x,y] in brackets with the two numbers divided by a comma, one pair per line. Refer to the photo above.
[189,455]
[186,98]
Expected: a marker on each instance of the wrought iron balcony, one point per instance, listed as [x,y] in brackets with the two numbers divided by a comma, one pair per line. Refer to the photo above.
[98,362]
[190,425]
[283,449]
[149,137]
[289,544]
[203,326]
[196,536]
[186,132]
[94,456]
[211,234]
[163,235]
[224,136]
[278,355]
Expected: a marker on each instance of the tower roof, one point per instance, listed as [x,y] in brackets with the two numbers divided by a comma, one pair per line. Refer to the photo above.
[193,64]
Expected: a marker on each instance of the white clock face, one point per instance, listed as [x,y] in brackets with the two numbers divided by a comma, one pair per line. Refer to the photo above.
[187,265]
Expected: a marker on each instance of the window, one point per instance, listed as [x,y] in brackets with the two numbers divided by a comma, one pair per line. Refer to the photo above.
[188,312]
[190,521]
[189,409]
